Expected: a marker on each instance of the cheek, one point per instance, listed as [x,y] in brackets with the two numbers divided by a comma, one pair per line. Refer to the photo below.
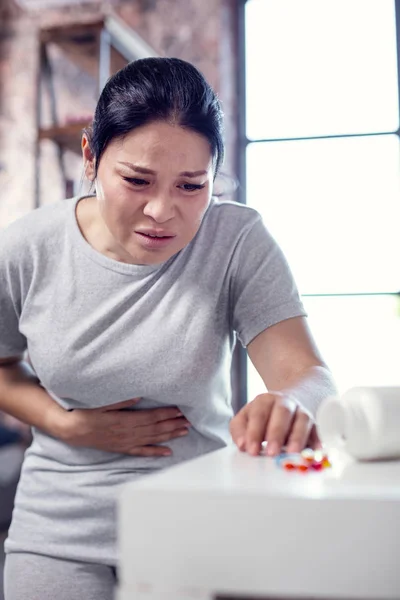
[117,202]
[195,212]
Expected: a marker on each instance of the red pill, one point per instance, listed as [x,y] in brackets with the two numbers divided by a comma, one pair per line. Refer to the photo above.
[302,468]
[317,466]
[289,466]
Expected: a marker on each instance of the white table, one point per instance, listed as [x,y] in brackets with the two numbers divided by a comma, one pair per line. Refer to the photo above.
[232,524]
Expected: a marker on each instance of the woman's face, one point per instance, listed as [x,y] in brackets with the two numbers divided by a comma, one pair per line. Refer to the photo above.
[153,188]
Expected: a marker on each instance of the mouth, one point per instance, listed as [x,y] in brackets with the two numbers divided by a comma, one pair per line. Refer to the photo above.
[154,240]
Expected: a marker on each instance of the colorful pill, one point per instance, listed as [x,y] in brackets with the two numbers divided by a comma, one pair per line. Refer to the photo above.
[319,456]
[303,468]
[289,466]
[308,455]
[317,466]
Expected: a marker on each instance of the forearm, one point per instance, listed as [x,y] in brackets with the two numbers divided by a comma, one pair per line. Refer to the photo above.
[22,397]
[311,387]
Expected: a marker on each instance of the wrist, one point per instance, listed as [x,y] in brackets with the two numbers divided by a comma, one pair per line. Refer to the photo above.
[58,422]
[310,389]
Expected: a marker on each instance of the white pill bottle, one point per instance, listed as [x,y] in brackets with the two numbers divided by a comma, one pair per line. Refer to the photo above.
[364,422]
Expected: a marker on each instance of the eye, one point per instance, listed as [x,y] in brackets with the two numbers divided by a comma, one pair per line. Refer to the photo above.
[136,181]
[191,187]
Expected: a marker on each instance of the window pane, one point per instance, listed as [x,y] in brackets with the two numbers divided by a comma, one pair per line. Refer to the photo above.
[359,338]
[320,67]
[334,207]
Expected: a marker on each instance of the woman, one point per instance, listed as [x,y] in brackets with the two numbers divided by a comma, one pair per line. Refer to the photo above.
[128,303]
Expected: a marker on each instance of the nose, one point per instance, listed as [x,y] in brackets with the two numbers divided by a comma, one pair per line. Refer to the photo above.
[160,208]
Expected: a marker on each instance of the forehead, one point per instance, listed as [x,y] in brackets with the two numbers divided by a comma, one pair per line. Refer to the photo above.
[162,141]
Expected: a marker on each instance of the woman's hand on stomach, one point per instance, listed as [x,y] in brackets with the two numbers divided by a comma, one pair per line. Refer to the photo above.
[133,432]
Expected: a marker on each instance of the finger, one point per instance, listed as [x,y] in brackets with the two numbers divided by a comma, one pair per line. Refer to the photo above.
[165,437]
[120,405]
[150,451]
[279,425]
[300,431]
[237,428]
[259,415]
[160,427]
[150,416]
[313,440]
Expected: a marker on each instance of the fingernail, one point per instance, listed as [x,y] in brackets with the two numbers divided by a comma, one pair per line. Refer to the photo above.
[272,448]
[240,443]
[179,414]
[254,449]
[185,432]
[167,452]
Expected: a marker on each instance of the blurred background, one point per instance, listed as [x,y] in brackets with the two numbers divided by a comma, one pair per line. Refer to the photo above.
[310,92]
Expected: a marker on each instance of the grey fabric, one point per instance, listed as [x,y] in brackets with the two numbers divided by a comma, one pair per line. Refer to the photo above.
[100,331]
[36,577]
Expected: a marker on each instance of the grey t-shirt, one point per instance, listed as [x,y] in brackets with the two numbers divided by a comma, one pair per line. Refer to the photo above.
[99,331]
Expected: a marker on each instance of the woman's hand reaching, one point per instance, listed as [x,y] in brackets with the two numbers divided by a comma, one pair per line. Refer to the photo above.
[275,418]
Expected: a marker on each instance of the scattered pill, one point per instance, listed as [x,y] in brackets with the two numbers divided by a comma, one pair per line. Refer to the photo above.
[303,468]
[289,466]
[307,460]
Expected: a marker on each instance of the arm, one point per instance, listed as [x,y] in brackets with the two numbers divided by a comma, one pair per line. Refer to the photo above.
[112,429]
[287,359]
[293,371]
[22,397]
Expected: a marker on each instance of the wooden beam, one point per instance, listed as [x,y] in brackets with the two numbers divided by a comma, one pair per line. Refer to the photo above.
[70,31]
[68,136]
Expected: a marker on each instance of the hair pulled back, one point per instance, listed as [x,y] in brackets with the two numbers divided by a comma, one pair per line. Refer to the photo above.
[157,89]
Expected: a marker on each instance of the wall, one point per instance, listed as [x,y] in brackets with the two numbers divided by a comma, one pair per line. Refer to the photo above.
[201,32]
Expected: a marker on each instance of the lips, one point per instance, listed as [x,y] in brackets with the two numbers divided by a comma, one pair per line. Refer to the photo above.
[152,240]
[155,233]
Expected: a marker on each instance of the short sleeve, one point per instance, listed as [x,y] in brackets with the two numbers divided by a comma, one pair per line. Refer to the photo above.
[12,341]
[263,288]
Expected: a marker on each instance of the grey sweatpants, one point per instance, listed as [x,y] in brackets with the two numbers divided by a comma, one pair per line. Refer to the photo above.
[37,577]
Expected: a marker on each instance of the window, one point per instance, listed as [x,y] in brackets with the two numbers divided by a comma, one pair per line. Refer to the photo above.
[322,158]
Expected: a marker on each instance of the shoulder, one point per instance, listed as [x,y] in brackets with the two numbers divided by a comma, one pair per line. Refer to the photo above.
[231,217]
[228,209]
[37,229]
[237,223]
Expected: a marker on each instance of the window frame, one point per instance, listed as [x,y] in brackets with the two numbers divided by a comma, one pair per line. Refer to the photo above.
[244,142]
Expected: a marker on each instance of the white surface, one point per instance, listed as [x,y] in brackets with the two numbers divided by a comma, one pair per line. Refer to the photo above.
[231,523]
[364,422]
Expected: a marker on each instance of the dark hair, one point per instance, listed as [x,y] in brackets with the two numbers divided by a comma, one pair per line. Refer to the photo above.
[157,89]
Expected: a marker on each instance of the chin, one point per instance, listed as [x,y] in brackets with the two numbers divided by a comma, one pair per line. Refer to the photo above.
[143,257]
[153,260]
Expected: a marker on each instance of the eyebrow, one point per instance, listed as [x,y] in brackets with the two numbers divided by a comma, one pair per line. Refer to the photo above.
[145,171]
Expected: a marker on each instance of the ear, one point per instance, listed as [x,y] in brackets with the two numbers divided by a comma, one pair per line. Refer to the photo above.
[88,158]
